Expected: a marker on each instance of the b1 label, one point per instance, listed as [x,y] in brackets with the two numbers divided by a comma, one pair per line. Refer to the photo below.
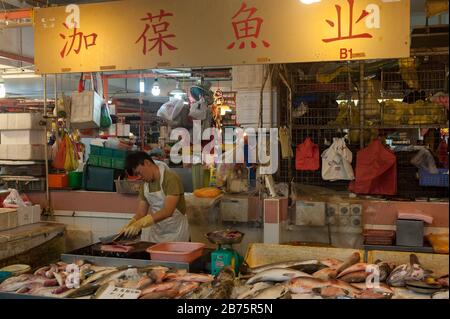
[346,54]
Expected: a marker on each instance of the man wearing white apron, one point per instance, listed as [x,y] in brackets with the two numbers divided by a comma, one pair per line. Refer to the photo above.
[162,193]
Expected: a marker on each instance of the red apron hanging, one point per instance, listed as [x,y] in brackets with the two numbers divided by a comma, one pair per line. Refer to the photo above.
[376,171]
[307,156]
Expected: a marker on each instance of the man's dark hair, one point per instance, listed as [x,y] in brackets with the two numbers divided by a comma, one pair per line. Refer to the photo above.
[135,159]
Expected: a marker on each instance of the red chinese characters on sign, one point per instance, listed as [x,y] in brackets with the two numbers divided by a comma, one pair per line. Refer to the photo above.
[350,35]
[160,29]
[76,40]
[246,26]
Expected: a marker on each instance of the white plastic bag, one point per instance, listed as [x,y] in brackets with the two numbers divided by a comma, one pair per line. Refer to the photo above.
[337,162]
[424,160]
[170,110]
[13,200]
[198,110]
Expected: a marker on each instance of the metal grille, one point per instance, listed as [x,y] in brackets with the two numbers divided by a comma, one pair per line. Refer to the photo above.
[338,100]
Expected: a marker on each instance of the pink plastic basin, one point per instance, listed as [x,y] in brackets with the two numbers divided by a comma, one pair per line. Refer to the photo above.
[176,251]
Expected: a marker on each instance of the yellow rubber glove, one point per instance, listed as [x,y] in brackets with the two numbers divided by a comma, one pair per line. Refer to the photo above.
[131,222]
[136,227]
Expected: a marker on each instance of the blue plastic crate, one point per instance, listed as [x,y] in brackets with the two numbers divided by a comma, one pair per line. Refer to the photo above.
[437,180]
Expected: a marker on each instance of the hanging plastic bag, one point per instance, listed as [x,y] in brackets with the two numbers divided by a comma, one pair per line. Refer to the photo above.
[424,160]
[71,162]
[14,200]
[171,110]
[307,156]
[337,162]
[105,118]
[198,110]
[60,155]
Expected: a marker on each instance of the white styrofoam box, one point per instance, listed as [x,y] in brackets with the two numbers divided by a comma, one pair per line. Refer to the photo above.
[28,215]
[356,209]
[310,213]
[8,218]
[344,209]
[22,152]
[234,209]
[249,77]
[22,137]
[20,121]
[248,104]
[86,110]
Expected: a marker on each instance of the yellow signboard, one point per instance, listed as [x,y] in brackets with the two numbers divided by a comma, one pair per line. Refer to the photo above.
[140,34]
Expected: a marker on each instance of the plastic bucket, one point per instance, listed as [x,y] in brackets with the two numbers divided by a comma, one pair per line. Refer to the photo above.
[75,180]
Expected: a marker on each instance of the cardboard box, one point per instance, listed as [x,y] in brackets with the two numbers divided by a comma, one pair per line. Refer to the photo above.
[21,137]
[29,215]
[8,218]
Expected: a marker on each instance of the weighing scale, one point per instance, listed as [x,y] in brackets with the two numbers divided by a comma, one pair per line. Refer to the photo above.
[225,255]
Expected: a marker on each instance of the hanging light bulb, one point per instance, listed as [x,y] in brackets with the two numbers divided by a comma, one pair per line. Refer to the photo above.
[156,91]
[309,1]
[2,88]
[142,86]
[178,92]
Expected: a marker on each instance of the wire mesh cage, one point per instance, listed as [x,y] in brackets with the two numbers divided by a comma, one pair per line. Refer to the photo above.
[394,100]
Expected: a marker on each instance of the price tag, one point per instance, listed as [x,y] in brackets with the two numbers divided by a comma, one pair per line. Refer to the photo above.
[113,292]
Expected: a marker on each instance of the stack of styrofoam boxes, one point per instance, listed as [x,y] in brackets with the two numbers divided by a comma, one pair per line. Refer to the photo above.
[247,82]
[8,218]
[28,215]
[22,137]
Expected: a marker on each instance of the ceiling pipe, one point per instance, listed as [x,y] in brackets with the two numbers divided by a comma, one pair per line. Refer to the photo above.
[16,57]
[16,14]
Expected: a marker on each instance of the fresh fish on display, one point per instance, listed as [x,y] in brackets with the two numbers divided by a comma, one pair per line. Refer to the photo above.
[303,285]
[144,282]
[355,277]
[354,268]
[385,269]
[83,291]
[165,294]
[370,294]
[98,275]
[160,287]
[411,271]
[204,290]
[187,287]
[223,284]
[194,278]
[277,275]
[331,292]
[305,296]
[353,259]
[250,291]
[332,263]
[275,292]
[41,271]
[325,274]
[309,266]
[382,288]
[440,295]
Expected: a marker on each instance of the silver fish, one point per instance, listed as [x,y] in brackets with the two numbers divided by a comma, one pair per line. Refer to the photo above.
[277,275]
[308,266]
[411,271]
[275,292]
[251,291]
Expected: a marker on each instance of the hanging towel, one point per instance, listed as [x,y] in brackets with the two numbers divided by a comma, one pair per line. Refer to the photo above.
[285,141]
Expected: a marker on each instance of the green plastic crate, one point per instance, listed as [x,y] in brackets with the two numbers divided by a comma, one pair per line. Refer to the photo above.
[118,163]
[105,161]
[96,150]
[107,152]
[120,154]
[94,160]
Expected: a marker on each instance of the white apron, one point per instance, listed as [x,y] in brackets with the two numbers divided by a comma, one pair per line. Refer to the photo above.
[172,229]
